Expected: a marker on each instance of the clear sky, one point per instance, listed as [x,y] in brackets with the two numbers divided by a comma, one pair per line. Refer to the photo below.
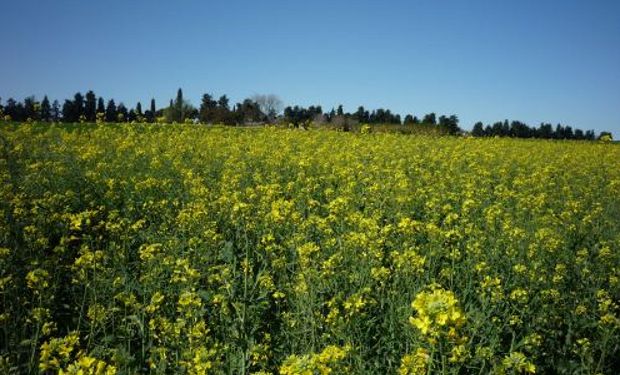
[488,60]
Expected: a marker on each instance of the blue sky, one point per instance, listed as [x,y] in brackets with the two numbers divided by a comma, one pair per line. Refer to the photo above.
[535,61]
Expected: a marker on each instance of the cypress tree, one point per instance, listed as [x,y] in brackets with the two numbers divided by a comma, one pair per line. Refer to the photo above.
[90,106]
[110,111]
[46,109]
[100,105]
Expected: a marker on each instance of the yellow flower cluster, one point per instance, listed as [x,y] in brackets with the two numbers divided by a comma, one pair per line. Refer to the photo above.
[328,361]
[88,366]
[415,363]
[437,313]
[204,249]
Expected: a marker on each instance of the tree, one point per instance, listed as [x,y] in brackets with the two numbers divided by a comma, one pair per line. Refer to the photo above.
[332,114]
[478,130]
[68,111]
[223,102]
[55,111]
[110,111]
[179,106]
[223,114]
[249,111]
[132,115]
[152,112]
[451,124]
[605,136]
[46,110]
[30,108]
[497,129]
[180,109]
[361,115]
[122,114]
[207,109]
[90,106]
[139,110]
[78,106]
[12,110]
[579,134]
[100,105]
[340,111]
[429,119]
[545,131]
[270,105]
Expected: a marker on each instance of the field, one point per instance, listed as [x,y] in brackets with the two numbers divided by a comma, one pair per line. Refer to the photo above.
[188,249]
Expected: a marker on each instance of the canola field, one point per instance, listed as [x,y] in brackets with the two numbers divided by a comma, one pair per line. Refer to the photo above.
[185,249]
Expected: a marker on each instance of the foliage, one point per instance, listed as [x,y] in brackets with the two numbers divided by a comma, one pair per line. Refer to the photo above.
[189,249]
[517,129]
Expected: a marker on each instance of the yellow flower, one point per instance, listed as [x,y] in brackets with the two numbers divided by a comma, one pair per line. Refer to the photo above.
[86,365]
[415,363]
[518,363]
[323,363]
[38,279]
[436,311]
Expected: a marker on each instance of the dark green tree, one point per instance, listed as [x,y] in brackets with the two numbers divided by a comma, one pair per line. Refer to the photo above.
[545,131]
[361,115]
[207,111]
[110,112]
[249,112]
[56,111]
[451,124]
[122,114]
[45,110]
[223,102]
[100,105]
[478,130]
[429,119]
[90,106]
[579,134]
[69,112]
[179,105]
[12,110]
[132,115]
[340,111]
[78,106]
[30,108]
[223,114]
[151,113]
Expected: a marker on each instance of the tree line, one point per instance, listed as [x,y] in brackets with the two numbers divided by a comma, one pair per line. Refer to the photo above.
[259,109]
[518,129]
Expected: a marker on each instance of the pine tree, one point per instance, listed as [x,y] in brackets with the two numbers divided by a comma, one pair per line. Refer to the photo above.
[68,111]
[180,115]
[55,111]
[46,110]
[100,105]
[151,113]
[110,111]
[90,106]
[30,110]
[478,130]
[78,106]
[122,114]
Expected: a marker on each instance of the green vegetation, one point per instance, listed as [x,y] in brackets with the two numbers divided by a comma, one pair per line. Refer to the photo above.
[191,249]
